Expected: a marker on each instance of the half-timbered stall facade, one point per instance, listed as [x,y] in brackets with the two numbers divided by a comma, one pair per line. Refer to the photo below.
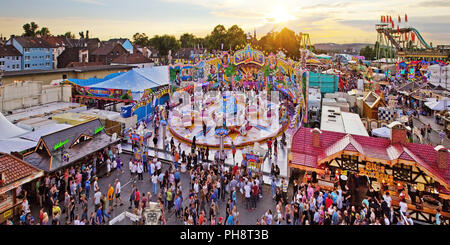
[15,175]
[384,164]
[68,146]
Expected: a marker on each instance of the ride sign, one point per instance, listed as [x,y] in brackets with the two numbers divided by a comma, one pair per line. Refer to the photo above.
[248,55]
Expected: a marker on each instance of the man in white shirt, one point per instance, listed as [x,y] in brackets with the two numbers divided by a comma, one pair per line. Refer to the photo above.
[97,197]
[152,168]
[403,206]
[155,182]
[96,187]
[387,198]
[247,190]
[130,165]
[158,167]
[117,192]
[140,170]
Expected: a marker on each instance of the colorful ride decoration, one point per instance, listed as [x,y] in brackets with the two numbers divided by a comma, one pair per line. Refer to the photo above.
[253,161]
[246,67]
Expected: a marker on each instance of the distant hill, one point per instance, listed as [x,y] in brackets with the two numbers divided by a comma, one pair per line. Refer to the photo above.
[341,47]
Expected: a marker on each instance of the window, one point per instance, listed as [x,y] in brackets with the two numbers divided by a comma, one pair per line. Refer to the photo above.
[27,65]
[26,50]
[47,64]
[2,63]
[47,57]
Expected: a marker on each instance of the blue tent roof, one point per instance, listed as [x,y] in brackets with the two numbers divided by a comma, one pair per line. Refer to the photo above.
[137,80]
[91,81]
[157,74]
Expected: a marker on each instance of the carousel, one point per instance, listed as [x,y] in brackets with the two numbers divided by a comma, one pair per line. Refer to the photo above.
[235,99]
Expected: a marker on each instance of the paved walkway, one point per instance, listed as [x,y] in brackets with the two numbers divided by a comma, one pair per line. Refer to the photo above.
[434,138]
[246,217]
[281,159]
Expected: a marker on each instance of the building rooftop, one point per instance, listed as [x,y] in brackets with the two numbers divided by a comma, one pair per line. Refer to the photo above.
[135,58]
[9,50]
[33,42]
[15,169]
[333,119]
[369,148]
[67,69]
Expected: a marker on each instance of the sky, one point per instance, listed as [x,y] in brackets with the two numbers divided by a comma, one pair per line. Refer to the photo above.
[337,21]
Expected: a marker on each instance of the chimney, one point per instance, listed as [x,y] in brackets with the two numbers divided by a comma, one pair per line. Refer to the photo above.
[398,133]
[442,157]
[316,137]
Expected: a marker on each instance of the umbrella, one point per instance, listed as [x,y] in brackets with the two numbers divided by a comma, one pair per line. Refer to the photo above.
[382,132]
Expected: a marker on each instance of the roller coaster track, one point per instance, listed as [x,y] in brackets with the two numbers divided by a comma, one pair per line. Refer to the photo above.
[389,33]
[421,38]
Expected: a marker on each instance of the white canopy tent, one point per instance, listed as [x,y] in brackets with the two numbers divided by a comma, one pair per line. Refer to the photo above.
[438,105]
[9,130]
[382,132]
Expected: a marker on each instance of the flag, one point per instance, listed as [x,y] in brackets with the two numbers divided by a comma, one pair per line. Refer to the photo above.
[398,29]
[399,19]
[406,18]
[413,36]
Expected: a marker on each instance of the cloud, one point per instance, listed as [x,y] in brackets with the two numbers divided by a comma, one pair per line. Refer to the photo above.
[94,2]
[433,4]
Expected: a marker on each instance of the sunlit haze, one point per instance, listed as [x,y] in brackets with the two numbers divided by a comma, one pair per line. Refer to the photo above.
[340,21]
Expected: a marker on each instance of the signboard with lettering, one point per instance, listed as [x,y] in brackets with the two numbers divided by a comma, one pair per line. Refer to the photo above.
[377,171]
[248,55]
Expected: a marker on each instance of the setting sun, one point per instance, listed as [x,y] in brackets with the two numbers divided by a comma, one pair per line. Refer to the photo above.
[279,15]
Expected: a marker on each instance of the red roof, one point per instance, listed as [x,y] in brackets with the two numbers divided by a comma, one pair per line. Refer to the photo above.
[14,168]
[304,153]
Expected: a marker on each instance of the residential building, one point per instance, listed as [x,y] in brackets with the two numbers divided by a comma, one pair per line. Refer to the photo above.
[36,52]
[107,52]
[74,54]
[136,59]
[48,76]
[10,58]
[126,44]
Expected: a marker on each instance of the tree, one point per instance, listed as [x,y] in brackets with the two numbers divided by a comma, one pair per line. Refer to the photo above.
[368,52]
[217,38]
[44,31]
[165,43]
[267,42]
[30,29]
[188,40]
[235,37]
[285,39]
[140,39]
[69,35]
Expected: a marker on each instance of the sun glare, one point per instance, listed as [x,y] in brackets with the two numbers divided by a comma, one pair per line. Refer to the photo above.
[279,15]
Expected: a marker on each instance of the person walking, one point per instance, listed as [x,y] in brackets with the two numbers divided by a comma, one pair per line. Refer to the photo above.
[154,182]
[137,198]
[132,195]
[117,192]
[110,196]
[140,170]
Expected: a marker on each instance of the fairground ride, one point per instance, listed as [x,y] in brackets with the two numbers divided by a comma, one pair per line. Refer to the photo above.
[405,43]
